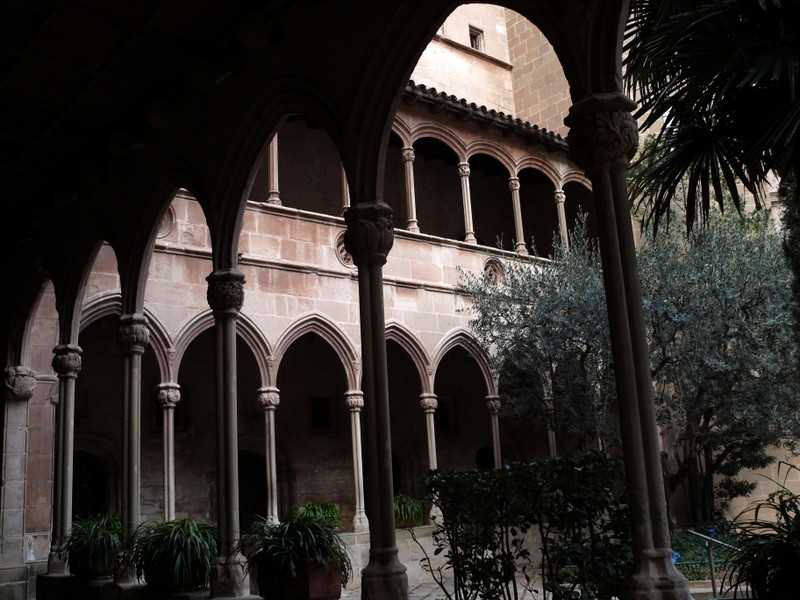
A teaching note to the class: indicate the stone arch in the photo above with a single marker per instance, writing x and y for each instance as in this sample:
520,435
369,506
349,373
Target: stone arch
328,331
419,356
541,164
493,150
443,135
462,337
402,130
539,210
492,203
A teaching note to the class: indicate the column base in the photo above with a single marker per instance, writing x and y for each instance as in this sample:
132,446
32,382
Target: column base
658,579
412,225
229,579
521,249
360,522
384,577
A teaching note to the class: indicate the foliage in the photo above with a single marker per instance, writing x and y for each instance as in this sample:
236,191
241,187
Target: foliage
768,560
407,511
550,342
724,360
302,536
324,511
173,555
702,70
578,506
93,546
691,552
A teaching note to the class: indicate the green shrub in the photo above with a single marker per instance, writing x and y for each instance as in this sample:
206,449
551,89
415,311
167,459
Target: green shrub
322,510
93,546
173,555
407,511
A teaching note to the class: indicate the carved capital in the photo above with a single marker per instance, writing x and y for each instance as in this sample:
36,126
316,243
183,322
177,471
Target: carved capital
493,404
428,402
225,292
20,383
169,394
354,399
463,169
513,184
269,397
602,132
408,154
67,360
560,196
133,334
370,232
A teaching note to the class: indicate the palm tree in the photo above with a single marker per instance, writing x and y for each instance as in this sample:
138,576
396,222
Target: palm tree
720,76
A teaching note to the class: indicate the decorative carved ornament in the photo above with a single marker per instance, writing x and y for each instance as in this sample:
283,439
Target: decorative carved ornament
493,403
428,402
169,394
67,360
20,382
513,184
269,398
493,271
133,334
370,232
408,154
226,291
601,139
560,196
355,400
341,252
463,169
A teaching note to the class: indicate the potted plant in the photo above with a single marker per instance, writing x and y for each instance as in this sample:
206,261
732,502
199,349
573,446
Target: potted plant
407,511
302,557
767,559
93,546
173,555
323,510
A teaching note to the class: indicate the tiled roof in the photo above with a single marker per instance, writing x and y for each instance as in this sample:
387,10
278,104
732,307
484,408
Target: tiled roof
469,110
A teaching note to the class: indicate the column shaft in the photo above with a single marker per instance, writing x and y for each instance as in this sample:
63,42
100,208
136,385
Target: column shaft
169,394
270,399
429,404
513,185
226,296
368,238
411,201
493,404
355,401
560,198
463,173
274,193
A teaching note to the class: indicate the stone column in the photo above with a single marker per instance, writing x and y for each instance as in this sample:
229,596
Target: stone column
560,197
603,138
469,231
411,201
20,384
345,191
368,239
169,394
67,365
133,337
274,193
429,404
493,405
270,399
355,402
225,297
513,185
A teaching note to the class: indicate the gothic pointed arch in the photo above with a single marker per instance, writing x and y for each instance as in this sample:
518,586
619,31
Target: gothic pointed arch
401,335
463,337
328,331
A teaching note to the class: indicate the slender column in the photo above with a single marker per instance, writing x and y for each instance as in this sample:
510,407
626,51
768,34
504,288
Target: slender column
270,399
411,201
345,191
493,405
225,297
429,404
368,239
355,402
469,231
560,198
169,394
67,365
603,138
133,337
274,193
513,185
